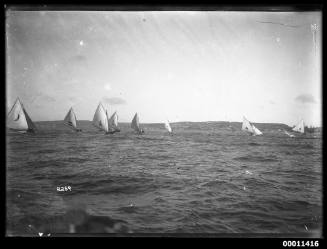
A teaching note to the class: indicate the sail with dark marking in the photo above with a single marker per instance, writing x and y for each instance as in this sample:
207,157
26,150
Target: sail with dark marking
246,126
18,119
250,128
299,127
70,119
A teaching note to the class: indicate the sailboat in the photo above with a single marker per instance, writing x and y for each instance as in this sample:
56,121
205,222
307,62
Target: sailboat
248,127
136,125
71,120
113,123
100,119
168,128
18,119
299,127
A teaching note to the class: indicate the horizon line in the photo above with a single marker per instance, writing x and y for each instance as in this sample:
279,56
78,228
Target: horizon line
213,121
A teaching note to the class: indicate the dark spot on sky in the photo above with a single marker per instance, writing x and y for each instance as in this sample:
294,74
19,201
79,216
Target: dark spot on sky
144,20
305,98
78,58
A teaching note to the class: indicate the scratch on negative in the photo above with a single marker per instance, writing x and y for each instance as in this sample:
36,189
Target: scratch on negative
287,25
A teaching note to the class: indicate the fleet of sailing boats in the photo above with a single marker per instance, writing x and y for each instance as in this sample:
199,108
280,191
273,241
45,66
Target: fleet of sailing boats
18,120
102,121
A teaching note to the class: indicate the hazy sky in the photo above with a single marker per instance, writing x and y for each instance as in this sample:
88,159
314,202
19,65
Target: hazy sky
184,66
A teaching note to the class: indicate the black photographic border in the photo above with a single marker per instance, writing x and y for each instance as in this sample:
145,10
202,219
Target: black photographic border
216,240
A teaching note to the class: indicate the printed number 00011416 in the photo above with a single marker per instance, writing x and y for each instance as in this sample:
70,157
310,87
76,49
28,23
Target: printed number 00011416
293,243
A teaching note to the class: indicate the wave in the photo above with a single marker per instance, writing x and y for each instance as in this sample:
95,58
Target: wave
292,145
251,158
254,144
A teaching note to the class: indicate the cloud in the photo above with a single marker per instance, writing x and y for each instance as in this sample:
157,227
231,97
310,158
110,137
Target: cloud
305,98
114,100
272,102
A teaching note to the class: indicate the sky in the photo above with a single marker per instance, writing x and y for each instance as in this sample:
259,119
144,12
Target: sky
175,65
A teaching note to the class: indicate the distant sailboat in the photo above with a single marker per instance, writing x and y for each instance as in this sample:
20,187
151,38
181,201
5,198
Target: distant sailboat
136,125
248,127
113,122
18,119
299,127
100,119
167,126
71,120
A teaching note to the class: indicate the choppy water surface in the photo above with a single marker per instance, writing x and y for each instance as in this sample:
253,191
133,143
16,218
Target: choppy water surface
206,178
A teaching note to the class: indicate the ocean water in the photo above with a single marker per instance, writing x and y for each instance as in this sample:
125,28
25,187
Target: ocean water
206,178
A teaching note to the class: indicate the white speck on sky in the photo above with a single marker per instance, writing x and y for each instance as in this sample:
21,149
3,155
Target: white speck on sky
107,87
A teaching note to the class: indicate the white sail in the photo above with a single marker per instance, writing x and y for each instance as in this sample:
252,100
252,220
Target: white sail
167,126
246,126
256,131
70,119
113,121
100,119
18,118
299,127
135,123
